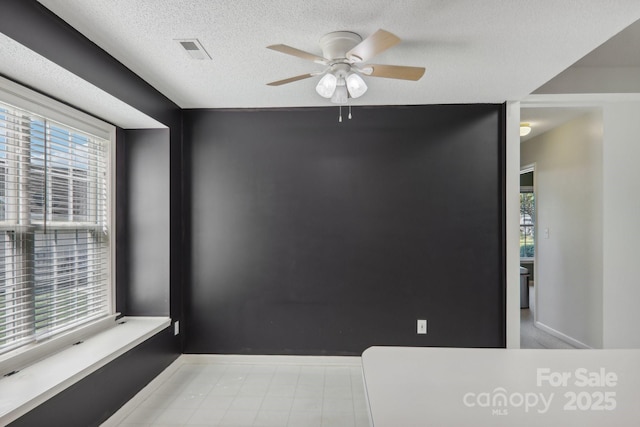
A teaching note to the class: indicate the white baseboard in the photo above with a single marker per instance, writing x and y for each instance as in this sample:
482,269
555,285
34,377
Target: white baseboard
269,359
566,338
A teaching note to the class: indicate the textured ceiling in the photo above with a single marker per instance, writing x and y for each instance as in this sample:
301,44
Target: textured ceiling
474,51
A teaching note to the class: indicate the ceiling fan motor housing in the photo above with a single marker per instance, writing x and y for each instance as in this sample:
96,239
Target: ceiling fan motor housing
340,70
336,45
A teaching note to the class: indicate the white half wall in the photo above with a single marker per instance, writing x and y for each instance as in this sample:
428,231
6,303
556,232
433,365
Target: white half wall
569,261
621,224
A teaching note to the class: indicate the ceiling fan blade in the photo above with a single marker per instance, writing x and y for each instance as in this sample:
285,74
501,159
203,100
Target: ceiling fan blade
394,71
283,48
292,79
376,43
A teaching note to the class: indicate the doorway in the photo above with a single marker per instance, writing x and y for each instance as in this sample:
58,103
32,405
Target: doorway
561,229
527,237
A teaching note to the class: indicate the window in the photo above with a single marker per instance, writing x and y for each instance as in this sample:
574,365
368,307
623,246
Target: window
54,224
527,221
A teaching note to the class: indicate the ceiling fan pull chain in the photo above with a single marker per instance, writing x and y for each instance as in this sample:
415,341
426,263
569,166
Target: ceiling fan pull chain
349,111
340,114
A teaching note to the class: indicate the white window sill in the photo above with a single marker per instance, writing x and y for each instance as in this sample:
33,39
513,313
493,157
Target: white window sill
39,382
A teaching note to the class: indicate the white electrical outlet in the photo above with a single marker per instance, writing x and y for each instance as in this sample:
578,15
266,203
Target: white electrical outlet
422,326
176,328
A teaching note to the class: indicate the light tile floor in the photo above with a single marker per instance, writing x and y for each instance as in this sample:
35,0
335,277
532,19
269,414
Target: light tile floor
224,393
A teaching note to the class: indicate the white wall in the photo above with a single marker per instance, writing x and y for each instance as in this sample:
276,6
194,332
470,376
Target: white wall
621,225
594,80
512,220
569,263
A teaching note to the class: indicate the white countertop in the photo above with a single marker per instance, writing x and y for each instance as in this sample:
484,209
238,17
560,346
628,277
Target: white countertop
457,387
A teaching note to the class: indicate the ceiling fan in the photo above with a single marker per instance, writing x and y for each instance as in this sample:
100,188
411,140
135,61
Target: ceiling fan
344,55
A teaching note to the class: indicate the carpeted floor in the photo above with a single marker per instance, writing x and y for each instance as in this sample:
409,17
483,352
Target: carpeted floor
532,337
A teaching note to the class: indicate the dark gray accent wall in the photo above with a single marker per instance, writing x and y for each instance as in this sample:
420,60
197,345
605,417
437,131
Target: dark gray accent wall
144,243
314,237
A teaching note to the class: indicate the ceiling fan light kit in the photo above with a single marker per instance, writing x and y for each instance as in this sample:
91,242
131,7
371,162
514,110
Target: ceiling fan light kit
357,87
340,95
326,85
343,53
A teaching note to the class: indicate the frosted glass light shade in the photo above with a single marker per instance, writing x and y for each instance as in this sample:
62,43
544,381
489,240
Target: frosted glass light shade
327,85
357,87
340,96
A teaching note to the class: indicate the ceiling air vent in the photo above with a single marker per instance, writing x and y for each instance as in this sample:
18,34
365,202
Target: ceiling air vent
194,48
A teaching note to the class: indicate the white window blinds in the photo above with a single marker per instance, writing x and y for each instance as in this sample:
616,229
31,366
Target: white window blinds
54,234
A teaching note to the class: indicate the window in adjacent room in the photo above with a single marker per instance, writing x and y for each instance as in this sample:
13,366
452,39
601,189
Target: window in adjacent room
527,218
54,222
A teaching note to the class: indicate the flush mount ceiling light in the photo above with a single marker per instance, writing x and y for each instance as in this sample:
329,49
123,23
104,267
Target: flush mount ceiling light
525,129
343,55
